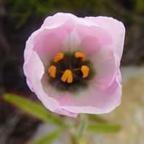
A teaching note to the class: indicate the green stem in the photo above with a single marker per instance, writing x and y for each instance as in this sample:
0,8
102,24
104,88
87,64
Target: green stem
77,131
82,126
78,137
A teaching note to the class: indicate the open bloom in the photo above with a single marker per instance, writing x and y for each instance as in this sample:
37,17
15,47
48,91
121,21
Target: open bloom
72,64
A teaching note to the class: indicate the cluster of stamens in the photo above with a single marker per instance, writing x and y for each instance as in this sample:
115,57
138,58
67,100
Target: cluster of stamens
69,69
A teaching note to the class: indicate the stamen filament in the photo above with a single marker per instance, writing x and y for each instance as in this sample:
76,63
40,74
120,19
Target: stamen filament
67,76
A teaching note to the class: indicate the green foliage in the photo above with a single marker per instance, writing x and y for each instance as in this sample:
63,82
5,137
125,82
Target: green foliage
104,128
33,108
97,119
48,139
139,6
98,124
21,10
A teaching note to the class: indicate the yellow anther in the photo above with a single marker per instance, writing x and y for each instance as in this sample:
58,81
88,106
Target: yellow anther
52,71
59,56
67,76
85,71
80,55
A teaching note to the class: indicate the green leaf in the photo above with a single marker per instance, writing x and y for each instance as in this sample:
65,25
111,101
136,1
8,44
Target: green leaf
48,139
104,128
33,108
97,119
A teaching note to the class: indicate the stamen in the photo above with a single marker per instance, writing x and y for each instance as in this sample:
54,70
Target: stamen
59,56
85,71
67,76
70,71
80,55
52,71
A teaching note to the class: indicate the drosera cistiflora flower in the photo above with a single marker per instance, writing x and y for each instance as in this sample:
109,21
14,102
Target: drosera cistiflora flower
73,64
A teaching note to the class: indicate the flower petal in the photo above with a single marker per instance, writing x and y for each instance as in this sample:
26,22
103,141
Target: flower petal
58,19
105,67
51,37
115,28
34,70
97,44
95,101
48,42
65,112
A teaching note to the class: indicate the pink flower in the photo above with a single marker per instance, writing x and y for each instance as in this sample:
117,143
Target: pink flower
72,64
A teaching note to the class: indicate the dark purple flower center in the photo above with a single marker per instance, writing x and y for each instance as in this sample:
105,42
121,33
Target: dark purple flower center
70,71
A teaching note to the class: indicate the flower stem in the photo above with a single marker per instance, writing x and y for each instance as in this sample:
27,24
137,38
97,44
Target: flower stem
82,126
78,131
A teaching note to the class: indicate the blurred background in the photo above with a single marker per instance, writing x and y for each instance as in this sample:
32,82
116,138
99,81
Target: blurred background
19,18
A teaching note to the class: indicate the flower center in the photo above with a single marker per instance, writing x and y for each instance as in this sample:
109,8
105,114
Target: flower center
70,71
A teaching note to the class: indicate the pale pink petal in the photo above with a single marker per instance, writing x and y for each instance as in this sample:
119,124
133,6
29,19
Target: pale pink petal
97,44
95,100
105,68
34,70
116,29
58,19
72,42
91,34
49,42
